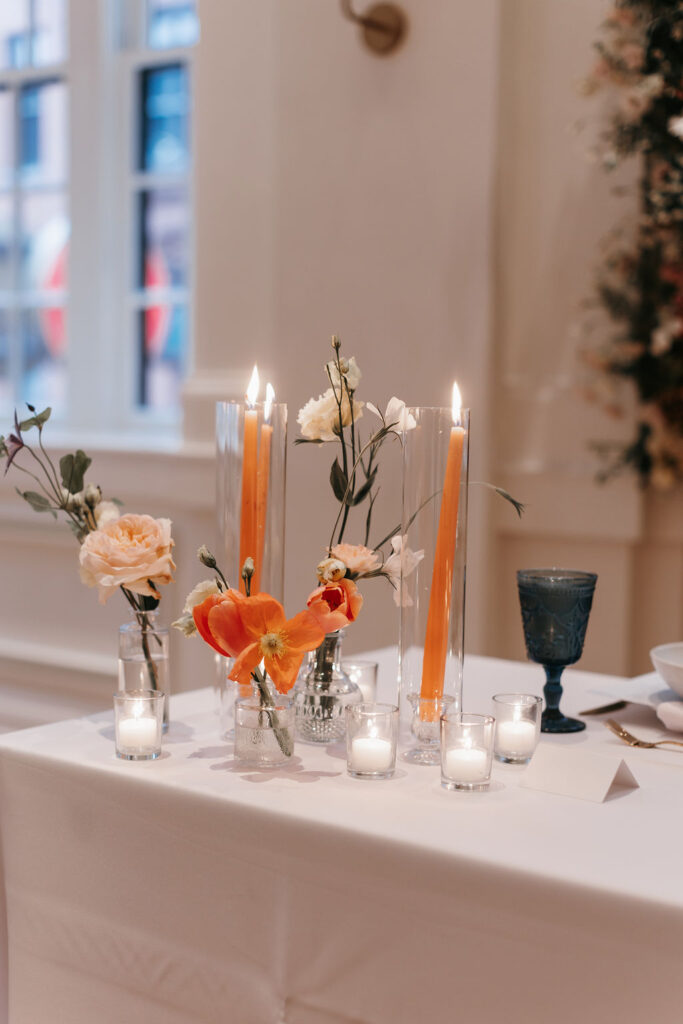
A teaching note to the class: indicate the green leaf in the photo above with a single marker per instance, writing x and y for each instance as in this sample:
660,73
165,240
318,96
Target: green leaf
339,481
39,420
117,501
308,440
517,505
363,491
72,469
38,502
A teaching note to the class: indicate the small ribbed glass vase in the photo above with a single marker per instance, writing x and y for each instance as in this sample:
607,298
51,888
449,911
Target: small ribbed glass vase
320,697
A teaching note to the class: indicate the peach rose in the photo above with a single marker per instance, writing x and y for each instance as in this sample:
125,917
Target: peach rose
358,559
336,604
133,552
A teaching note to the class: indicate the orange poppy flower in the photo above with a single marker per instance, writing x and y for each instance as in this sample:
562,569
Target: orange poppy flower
336,604
230,647
255,628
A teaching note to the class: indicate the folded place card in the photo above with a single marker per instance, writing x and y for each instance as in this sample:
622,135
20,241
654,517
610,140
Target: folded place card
575,772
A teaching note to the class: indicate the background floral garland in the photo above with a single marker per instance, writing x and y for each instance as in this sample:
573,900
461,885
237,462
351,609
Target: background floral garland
640,284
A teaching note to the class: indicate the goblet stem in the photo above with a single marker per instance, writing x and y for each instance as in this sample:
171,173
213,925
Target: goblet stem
552,719
552,691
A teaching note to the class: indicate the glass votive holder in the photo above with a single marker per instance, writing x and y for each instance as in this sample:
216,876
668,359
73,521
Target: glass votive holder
466,750
138,722
264,736
371,738
518,726
364,675
424,725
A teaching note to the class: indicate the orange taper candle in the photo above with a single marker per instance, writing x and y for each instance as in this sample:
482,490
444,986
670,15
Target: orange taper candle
262,487
438,617
249,471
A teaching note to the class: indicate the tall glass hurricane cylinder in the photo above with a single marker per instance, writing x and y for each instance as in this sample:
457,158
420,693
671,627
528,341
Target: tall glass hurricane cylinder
251,466
434,526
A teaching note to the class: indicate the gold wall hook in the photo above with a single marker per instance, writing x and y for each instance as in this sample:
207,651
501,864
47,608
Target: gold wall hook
383,26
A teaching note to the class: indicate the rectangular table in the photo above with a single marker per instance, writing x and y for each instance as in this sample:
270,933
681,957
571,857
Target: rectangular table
194,890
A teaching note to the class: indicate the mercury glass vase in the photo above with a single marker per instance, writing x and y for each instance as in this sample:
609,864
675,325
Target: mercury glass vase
143,657
321,696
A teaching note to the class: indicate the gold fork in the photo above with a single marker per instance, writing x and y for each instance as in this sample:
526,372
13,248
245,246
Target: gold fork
632,740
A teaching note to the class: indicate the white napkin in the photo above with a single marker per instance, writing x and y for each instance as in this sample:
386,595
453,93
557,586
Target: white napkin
670,712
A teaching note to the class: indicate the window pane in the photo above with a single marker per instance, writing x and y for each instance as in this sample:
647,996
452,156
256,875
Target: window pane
45,234
165,102
14,33
163,334
5,383
171,23
43,365
6,236
164,220
6,139
49,31
42,133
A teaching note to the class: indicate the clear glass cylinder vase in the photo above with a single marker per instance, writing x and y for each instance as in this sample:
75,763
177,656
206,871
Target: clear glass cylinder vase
321,696
144,658
251,469
433,561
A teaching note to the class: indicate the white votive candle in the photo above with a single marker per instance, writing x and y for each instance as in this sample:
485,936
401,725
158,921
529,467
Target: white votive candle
137,734
370,754
515,738
467,764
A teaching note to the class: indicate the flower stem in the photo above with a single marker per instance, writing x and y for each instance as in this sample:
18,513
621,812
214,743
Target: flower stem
282,734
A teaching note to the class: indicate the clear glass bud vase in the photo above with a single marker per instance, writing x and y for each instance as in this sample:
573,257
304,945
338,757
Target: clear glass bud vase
321,696
143,656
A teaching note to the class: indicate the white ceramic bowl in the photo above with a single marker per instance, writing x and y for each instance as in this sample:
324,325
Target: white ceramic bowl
668,662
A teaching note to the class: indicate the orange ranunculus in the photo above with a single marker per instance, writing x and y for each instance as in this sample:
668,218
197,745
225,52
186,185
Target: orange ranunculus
200,613
252,628
336,604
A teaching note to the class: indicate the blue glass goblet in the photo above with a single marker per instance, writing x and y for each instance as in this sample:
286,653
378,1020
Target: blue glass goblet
555,605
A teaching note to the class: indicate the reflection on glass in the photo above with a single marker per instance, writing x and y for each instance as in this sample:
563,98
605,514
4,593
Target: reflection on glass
44,237
43,365
171,23
6,139
6,234
5,383
164,220
165,101
42,133
14,33
163,341
49,31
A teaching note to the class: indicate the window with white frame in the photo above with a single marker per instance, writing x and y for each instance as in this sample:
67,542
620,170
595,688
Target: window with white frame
136,237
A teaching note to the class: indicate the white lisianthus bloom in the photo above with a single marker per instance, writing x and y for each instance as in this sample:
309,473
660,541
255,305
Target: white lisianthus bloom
350,370
319,418
675,126
106,512
402,561
396,415
198,594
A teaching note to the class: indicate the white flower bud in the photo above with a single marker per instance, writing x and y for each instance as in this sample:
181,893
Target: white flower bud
331,570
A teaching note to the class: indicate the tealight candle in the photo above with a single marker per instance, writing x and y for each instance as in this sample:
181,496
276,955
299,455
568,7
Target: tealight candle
371,736
371,754
138,733
466,750
137,724
467,764
518,723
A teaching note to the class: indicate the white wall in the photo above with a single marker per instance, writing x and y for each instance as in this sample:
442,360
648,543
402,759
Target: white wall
345,193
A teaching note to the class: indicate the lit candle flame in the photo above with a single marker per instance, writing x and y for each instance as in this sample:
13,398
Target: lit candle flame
457,404
268,404
253,389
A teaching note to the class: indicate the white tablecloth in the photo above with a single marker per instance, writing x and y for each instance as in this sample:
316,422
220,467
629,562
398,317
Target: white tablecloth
192,890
